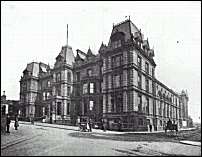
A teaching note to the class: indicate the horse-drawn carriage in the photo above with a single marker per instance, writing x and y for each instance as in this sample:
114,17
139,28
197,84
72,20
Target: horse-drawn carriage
171,126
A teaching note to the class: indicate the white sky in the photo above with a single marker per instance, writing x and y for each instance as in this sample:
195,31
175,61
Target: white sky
36,31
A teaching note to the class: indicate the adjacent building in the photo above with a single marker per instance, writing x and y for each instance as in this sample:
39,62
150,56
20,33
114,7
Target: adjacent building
8,107
117,84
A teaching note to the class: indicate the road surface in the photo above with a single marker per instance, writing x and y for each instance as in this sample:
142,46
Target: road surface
32,140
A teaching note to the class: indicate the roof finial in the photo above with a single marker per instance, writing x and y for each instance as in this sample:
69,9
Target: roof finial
129,17
4,92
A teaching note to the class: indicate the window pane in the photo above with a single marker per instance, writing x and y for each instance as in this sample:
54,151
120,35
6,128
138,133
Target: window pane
85,88
59,108
68,91
68,110
48,83
69,77
91,87
44,95
91,105
78,76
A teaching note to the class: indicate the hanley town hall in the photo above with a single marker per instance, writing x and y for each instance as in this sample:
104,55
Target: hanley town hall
116,84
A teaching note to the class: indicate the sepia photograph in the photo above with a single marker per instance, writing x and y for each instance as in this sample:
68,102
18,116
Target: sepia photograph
100,78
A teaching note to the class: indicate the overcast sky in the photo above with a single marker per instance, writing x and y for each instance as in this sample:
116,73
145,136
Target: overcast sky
36,31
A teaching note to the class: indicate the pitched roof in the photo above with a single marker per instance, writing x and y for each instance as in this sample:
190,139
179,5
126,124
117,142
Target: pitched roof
33,68
127,27
66,53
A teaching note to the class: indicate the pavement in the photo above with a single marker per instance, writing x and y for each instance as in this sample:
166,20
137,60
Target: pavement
75,128
194,143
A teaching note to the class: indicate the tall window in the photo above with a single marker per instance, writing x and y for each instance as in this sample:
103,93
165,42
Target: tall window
58,77
69,77
77,90
48,95
85,88
164,110
68,108
58,91
91,87
68,91
171,111
91,105
147,84
112,103
48,83
117,80
78,76
89,72
152,72
44,95
168,111
147,107
139,80
59,110
139,100
147,67
139,61
117,60
153,87
160,107
154,107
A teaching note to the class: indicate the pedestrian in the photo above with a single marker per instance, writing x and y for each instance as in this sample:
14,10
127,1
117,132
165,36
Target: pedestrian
119,125
87,126
8,121
79,124
104,125
150,127
16,124
90,125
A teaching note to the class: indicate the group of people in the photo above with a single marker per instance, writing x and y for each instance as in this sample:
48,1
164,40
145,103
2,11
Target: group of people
88,125
8,121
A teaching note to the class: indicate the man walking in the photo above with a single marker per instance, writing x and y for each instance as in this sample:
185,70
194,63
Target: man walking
8,121
16,124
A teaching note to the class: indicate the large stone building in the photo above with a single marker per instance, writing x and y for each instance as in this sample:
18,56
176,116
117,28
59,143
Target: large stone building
117,84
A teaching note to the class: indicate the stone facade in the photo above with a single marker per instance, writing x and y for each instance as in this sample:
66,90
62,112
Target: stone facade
118,84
